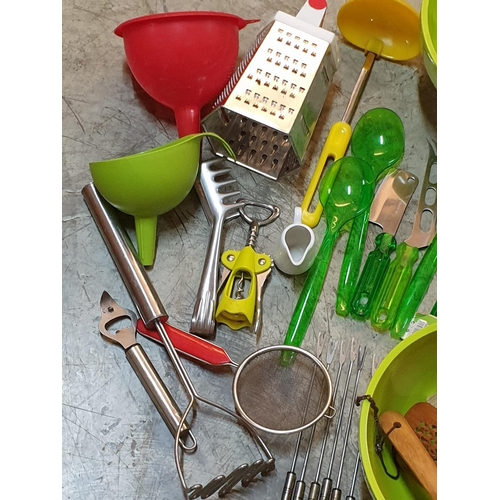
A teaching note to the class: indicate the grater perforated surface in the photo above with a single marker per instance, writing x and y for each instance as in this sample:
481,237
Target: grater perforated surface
274,86
271,110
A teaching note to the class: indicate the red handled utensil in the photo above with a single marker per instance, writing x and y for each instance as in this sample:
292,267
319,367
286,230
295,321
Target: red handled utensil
190,345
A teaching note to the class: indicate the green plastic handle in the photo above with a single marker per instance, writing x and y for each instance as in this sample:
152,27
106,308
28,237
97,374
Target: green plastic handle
376,265
416,291
309,294
351,263
385,306
434,310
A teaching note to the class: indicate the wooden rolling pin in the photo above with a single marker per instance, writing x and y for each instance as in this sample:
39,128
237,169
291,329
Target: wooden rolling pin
411,450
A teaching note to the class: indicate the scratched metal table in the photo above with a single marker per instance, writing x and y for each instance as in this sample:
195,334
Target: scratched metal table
115,445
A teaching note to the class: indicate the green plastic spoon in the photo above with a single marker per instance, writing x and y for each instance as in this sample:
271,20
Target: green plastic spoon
379,139
343,199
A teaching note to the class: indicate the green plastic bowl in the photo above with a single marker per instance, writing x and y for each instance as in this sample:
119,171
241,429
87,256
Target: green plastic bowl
151,183
407,375
428,25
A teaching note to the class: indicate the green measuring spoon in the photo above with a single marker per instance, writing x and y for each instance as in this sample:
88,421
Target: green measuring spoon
379,139
346,197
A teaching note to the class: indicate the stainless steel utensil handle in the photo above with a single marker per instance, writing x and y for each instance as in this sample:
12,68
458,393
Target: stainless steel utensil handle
158,392
203,319
314,491
125,257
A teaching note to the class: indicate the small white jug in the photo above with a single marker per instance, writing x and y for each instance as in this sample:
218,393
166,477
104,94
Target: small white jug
296,250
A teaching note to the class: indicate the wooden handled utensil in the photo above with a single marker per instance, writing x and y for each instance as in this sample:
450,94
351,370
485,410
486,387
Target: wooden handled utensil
422,418
410,448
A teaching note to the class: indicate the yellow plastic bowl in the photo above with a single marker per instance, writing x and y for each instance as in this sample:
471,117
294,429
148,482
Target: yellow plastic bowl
428,25
407,375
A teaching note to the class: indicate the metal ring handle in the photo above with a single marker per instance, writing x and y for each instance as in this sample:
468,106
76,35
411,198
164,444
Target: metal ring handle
273,209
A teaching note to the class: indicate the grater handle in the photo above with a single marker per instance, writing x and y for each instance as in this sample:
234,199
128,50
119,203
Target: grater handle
313,12
335,147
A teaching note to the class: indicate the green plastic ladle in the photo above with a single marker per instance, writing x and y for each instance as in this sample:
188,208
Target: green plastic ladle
348,195
379,139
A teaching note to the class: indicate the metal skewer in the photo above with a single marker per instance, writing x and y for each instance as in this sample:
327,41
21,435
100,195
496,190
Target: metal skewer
314,489
300,485
289,484
354,476
326,487
337,493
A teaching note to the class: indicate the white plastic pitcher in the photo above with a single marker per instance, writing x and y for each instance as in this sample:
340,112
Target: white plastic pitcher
296,249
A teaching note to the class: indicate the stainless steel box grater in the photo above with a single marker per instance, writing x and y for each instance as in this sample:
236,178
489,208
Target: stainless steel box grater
269,109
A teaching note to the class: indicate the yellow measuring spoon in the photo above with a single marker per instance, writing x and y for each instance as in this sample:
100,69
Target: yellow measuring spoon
382,28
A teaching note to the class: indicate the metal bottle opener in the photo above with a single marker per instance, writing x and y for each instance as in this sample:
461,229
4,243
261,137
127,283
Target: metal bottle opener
111,313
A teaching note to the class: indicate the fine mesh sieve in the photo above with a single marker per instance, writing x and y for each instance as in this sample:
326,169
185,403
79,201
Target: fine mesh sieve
282,397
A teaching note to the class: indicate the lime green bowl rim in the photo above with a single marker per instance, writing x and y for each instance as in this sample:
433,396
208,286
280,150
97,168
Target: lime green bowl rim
370,478
426,31
149,152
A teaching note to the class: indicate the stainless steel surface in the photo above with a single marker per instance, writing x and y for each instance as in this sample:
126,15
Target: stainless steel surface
270,114
115,445
391,200
220,205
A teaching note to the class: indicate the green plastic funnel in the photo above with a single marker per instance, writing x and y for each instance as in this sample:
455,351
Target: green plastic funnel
151,183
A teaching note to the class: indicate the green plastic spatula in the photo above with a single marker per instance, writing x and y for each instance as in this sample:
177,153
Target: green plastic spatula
348,196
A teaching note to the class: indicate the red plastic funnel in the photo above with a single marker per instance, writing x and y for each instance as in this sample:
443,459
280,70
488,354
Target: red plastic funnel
183,60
